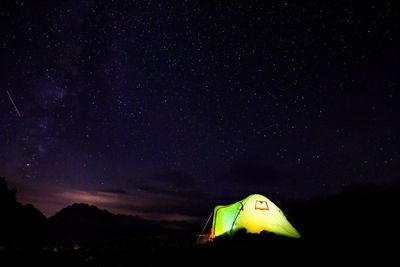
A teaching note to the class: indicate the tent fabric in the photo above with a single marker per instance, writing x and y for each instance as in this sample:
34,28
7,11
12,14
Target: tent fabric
256,213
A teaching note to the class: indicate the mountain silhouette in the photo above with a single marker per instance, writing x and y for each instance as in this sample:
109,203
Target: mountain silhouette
81,223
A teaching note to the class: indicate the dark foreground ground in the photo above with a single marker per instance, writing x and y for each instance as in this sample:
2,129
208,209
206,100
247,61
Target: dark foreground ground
242,250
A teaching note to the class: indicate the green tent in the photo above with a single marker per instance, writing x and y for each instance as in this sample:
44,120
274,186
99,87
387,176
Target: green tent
255,213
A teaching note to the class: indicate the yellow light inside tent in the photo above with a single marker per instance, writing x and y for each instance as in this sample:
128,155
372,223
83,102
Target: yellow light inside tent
256,213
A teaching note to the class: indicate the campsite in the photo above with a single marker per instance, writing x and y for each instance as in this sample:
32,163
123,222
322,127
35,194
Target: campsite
354,227
244,133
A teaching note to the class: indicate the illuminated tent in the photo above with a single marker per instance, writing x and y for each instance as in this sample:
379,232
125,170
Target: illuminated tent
256,213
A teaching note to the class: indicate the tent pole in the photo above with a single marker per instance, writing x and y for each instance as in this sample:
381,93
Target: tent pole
209,217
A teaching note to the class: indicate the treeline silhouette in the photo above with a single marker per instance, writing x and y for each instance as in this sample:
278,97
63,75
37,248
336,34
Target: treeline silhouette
19,224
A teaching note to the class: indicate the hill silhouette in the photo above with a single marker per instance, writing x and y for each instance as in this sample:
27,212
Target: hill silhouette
357,214
87,223
24,225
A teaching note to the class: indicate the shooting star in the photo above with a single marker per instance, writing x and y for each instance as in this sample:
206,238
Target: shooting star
12,101
273,96
266,128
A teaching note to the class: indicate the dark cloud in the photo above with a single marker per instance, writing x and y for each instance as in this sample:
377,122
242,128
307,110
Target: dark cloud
176,179
175,193
172,205
172,183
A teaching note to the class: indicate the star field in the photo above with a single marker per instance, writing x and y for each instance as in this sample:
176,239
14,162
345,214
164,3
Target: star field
132,103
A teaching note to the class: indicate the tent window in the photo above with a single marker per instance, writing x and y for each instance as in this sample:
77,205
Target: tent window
261,205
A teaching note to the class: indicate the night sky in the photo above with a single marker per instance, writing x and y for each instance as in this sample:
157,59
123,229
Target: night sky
166,109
